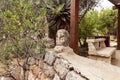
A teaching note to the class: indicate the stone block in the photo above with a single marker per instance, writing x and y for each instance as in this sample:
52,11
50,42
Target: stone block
15,70
56,77
36,70
44,77
49,57
40,63
6,78
26,76
61,67
40,74
31,76
31,61
49,71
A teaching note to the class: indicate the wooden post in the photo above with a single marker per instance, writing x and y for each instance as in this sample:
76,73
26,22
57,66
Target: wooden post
118,29
74,25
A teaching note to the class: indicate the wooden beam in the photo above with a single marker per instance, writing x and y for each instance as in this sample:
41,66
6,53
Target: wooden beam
74,25
115,2
118,30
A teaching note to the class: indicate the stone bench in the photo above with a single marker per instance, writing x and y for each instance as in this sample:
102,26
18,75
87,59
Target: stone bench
97,50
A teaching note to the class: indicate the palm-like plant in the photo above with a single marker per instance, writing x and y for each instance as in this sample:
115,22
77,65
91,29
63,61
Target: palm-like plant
58,14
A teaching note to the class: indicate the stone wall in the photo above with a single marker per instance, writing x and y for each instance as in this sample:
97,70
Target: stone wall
58,68
63,66
30,69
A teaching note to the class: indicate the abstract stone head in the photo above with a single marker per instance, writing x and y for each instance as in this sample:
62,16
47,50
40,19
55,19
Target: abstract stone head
62,38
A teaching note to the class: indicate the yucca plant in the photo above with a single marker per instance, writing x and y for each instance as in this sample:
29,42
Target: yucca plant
58,13
58,16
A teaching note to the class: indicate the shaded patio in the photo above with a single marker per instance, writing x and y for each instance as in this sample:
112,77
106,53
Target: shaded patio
74,28
74,24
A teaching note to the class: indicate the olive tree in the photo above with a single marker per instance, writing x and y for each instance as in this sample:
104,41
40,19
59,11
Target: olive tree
22,26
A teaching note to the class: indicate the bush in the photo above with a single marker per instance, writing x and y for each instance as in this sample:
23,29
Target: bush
22,25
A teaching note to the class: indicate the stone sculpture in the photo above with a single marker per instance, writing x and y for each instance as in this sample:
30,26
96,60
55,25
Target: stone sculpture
62,41
62,38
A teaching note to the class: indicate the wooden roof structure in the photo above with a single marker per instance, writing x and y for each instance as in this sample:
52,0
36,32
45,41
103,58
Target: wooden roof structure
115,2
74,24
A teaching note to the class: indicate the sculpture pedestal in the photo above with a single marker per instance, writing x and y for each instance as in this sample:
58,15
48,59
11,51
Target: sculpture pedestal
116,60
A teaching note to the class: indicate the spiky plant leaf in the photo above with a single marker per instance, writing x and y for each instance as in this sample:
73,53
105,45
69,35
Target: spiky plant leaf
58,13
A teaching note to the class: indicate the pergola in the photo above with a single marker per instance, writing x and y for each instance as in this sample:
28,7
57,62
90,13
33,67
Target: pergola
74,24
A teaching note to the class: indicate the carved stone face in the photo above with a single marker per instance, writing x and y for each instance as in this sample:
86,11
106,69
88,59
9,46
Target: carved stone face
62,38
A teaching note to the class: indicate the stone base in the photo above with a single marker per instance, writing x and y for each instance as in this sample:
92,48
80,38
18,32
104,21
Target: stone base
99,58
116,60
117,54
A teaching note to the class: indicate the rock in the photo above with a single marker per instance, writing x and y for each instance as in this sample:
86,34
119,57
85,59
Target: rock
15,70
49,57
40,63
40,74
21,74
22,61
49,71
6,78
26,66
31,61
61,67
44,77
38,56
56,77
37,79
26,75
35,70
37,62
73,76
31,76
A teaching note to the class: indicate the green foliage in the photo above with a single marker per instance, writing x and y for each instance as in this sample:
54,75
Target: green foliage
107,21
22,25
97,23
58,14
88,25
